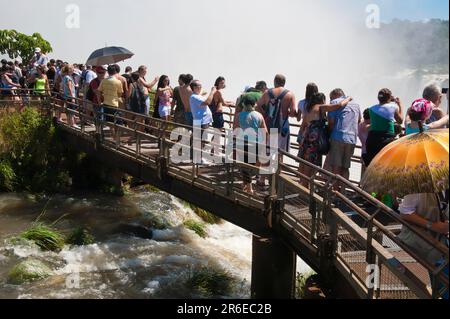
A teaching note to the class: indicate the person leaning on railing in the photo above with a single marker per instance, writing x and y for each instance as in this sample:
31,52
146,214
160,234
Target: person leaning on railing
8,83
424,211
252,129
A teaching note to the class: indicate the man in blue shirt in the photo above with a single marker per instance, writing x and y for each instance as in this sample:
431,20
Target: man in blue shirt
343,124
200,106
202,117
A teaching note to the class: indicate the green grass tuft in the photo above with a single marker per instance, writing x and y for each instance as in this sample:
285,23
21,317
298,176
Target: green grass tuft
197,227
206,216
80,236
211,282
45,237
152,189
159,223
28,270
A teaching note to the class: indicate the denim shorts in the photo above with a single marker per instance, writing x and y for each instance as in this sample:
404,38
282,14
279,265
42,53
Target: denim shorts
164,110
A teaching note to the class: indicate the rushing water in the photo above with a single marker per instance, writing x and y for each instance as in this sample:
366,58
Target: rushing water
118,265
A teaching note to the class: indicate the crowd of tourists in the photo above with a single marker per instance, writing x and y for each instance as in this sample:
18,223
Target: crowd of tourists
329,130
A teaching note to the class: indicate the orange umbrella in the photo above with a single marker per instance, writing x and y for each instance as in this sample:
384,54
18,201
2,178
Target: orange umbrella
416,163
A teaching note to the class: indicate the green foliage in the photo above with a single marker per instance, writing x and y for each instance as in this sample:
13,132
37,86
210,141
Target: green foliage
300,284
45,237
80,236
7,176
28,270
197,227
34,158
206,216
31,153
16,44
211,282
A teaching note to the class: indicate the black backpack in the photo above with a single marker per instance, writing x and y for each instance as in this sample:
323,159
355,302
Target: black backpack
323,140
137,99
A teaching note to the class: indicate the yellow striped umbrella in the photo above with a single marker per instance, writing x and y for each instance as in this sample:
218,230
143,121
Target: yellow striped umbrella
416,163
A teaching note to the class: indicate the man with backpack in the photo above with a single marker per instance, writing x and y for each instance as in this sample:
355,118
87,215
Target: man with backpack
277,105
86,77
137,97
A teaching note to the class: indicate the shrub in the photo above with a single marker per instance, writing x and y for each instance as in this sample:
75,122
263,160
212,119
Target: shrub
7,176
29,143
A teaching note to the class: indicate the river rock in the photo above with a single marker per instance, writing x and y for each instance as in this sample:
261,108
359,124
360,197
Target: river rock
135,230
28,270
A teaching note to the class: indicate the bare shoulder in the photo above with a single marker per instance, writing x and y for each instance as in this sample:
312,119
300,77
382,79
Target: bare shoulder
291,95
265,96
438,113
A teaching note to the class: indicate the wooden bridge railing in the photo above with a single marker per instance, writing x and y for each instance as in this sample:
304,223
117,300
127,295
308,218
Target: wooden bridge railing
358,247
333,231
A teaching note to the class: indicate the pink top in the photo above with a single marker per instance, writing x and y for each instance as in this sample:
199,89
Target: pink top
164,98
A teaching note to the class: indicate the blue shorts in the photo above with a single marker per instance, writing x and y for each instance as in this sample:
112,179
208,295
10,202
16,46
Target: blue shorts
218,121
189,118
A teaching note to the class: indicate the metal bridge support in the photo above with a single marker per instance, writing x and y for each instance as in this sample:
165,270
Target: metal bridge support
273,269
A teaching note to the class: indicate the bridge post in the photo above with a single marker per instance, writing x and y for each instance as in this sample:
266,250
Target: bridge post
328,244
273,269
163,159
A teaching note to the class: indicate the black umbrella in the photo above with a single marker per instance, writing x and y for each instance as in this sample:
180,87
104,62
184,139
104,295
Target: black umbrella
109,55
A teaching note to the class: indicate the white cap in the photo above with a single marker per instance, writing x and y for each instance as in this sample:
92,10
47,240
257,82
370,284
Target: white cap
37,50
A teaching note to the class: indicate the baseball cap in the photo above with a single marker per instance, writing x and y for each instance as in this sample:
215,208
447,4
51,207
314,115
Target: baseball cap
101,68
246,88
37,50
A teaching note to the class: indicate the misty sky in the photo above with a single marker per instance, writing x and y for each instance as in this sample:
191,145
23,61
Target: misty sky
243,40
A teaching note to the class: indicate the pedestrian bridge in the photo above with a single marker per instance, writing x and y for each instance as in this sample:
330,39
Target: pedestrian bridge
348,237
